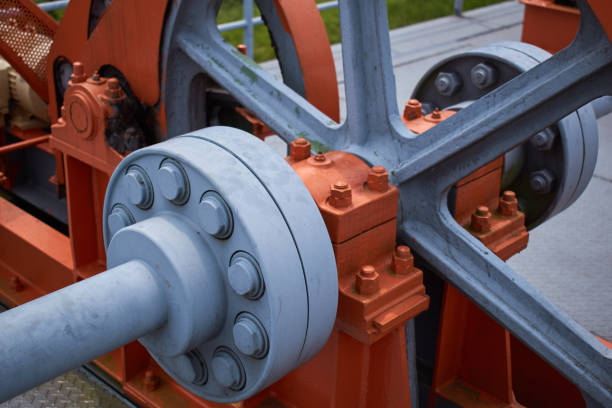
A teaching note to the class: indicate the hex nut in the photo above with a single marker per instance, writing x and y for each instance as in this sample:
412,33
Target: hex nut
542,181
481,219
378,179
402,261
447,83
543,140
139,187
215,216
250,336
483,75
173,182
120,217
366,281
227,369
341,195
244,276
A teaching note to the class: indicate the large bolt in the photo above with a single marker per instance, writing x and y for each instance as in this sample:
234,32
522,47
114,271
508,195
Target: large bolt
173,182
340,195
366,281
481,219
250,336
244,277
139,188
189,367
119,218
541,181
227,370
378,179
543,140
447,83
403,261
215,215
113,90
78,73
483,75
299,149
413,109
508,204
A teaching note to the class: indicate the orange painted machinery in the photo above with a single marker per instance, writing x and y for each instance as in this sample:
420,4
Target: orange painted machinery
107,75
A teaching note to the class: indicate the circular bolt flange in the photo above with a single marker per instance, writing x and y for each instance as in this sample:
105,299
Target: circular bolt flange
120,217
543,140
483,75
215,215
541,181
227,369
250,336
140,189
447,83
173,182
244,276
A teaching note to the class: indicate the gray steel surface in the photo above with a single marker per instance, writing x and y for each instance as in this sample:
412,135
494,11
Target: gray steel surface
425,167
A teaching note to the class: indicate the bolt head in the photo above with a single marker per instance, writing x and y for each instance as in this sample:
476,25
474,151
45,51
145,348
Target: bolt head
173,182
244,277
447,83
541,181
481,219
378,179
139,189
403,261
366,281
118,218
299,149
215,216
226,370
250,337
543,140
483,75
340,195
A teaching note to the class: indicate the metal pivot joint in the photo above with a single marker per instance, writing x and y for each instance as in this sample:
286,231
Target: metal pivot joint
190,276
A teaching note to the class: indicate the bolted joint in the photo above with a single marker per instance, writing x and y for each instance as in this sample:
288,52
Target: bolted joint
542,181
366,281
378,179
543,140
151,381
413,109
299,149
403,261
78,73
340,195
113,91
481,219
508,204
447,83
483,75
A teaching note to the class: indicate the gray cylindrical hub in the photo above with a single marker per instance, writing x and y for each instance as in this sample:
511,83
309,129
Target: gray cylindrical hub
55,333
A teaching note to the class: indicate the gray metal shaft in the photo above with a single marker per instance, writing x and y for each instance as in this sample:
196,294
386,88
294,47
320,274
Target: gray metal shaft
57,332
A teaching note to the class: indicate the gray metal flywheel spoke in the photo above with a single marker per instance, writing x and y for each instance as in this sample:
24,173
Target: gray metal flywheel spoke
368,72
277,105
485,130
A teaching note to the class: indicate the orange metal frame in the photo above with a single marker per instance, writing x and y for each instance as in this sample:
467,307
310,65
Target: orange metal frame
364,361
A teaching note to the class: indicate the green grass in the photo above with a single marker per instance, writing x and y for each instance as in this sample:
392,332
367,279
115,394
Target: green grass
401,13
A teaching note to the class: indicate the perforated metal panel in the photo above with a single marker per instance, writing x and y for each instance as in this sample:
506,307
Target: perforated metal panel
26,36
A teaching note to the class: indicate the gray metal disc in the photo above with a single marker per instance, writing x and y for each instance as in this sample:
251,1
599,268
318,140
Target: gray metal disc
275,222
573,155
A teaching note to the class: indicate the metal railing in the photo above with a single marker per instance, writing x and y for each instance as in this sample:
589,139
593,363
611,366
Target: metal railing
246,24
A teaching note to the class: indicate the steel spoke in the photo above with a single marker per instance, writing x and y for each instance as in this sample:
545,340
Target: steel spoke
368,71
513,112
